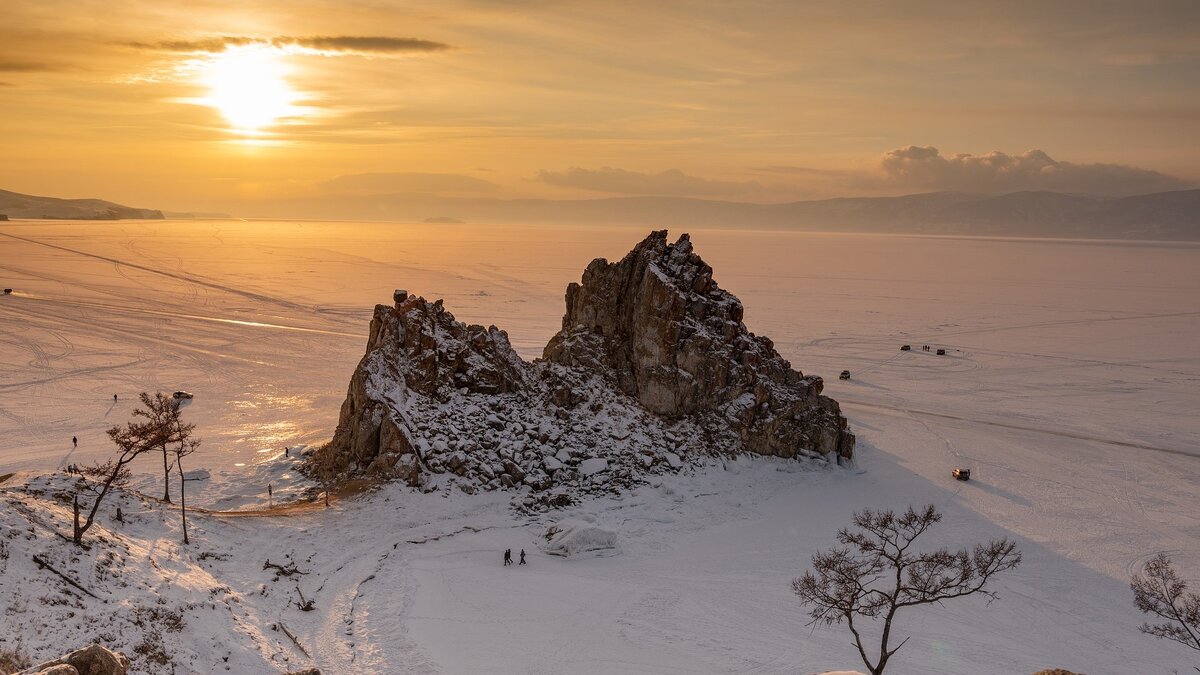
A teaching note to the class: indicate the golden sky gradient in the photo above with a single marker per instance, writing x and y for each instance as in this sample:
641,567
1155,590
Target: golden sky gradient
214,105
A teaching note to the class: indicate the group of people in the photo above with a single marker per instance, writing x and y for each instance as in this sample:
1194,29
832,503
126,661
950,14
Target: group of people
508,557
73,468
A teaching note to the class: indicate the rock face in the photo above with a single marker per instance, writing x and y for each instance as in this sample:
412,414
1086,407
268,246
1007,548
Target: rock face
675,341
653,367
91,660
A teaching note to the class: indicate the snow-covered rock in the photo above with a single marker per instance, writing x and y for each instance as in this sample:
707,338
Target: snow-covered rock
648,343
572,537
93,659
592,466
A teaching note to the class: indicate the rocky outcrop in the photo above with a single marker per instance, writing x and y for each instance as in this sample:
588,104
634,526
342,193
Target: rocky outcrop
652,369
91,660
675,341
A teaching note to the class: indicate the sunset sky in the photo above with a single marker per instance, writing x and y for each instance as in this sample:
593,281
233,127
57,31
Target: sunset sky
215,105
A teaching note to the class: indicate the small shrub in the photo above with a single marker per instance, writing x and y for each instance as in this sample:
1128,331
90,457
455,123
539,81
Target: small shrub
14,659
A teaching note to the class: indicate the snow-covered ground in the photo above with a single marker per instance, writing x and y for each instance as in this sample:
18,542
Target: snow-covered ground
1070,388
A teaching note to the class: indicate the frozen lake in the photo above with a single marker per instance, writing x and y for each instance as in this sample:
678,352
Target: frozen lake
1070,385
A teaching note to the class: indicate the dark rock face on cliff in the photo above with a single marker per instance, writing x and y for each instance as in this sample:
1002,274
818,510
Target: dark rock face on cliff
675,341
652,369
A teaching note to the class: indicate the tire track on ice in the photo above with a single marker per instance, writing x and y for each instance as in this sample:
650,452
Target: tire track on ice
179,276
1021,427
182,315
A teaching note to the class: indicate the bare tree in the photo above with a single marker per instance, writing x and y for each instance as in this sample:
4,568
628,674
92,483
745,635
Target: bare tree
874,574
131,440
162,413
186,447
1162,593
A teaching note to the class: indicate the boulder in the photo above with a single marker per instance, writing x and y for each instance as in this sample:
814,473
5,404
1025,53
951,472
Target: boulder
593,466
571,538
91,660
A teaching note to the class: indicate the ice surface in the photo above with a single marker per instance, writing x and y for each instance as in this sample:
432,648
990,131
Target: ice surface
1069,389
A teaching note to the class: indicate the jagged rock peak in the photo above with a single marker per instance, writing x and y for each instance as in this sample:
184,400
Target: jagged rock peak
675,340
652,369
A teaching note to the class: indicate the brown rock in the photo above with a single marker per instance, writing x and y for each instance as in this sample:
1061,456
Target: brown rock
673,339
91,660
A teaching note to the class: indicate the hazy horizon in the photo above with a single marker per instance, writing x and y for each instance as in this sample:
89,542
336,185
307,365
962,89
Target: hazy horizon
227,108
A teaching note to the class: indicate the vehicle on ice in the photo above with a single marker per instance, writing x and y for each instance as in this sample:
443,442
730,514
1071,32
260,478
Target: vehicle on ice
962,474
8,291
906,348
181,394
845,375
941,352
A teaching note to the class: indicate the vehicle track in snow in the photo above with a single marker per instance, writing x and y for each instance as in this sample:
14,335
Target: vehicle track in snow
1019,427
188,278
181,315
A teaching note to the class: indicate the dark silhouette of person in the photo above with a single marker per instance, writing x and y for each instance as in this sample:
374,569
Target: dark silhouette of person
114,398
507,556
74,442
522,557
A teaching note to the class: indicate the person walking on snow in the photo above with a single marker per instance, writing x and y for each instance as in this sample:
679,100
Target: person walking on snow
74,442
507,557
522,557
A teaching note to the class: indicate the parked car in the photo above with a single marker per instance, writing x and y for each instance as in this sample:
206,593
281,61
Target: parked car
941,352
845,375
962,474
181,394
906,348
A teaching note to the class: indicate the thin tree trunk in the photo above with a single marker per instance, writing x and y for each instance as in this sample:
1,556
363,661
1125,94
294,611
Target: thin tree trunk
76,534
87,524
166,477
182,498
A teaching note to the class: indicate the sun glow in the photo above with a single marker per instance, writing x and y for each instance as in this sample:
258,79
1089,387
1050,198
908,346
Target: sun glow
249,87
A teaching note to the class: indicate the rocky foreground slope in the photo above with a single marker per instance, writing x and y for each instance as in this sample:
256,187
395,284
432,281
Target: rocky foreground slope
653,369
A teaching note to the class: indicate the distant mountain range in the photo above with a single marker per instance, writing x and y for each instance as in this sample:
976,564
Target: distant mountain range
1161,216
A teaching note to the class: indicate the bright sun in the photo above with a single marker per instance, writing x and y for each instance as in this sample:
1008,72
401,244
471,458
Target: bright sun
248,86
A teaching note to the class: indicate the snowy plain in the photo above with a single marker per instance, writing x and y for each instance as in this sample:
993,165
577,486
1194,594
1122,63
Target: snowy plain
1070,387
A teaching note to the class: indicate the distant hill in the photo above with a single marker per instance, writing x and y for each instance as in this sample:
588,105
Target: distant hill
1161,216
1164,215
16,205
